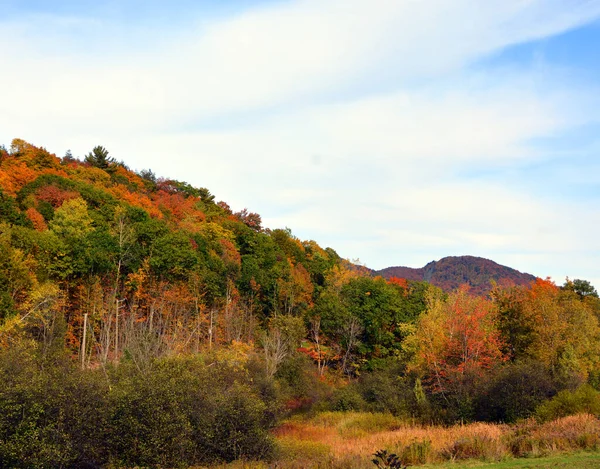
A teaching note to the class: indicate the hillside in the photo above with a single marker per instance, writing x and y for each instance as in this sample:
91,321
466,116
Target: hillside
189,331
451,272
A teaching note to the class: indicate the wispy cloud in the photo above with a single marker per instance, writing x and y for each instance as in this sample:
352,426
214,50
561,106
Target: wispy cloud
351,122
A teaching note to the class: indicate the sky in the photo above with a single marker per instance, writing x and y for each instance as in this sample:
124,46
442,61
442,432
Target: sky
394,131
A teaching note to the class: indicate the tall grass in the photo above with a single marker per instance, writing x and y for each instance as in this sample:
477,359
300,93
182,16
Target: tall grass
340,440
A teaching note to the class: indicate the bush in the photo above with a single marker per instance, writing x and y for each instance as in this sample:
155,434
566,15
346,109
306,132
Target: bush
388,391
347,398
178,412
231,425
515,392
583,400
299,386
51,414
417,452
184,411
149,419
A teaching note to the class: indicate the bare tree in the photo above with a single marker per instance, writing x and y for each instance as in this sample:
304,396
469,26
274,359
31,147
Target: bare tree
280,340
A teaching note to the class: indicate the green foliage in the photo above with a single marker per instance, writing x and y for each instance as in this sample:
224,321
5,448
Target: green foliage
181,411
72,220
347,398
582,287
173,255
388,389
9,211
584,399
298,385
99,158
51,416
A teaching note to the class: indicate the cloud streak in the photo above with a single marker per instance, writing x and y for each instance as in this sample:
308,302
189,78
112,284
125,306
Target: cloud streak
351,122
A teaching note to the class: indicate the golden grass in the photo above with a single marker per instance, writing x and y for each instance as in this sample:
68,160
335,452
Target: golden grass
347,440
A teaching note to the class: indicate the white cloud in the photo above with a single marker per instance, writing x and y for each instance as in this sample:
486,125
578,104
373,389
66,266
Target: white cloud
263,57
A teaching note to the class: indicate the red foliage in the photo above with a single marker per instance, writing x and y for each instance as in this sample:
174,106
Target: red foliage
55,196
250,219
401,282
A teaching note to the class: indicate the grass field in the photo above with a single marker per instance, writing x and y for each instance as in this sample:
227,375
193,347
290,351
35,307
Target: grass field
562,461
347,440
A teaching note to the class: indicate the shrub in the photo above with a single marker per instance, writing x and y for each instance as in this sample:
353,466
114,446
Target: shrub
183,411
51,414
178,412
347,398
515,392
417,452
300,387
583,400
388,391
149,420
232,426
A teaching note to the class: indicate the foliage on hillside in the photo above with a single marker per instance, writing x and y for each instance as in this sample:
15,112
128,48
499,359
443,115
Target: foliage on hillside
124,285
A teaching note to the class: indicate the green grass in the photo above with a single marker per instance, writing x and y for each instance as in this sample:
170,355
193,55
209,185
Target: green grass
567,461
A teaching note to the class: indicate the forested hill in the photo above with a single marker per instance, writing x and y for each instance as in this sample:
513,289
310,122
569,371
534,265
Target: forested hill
451,272
188,330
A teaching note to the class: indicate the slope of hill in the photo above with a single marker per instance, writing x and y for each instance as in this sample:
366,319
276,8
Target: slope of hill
451,272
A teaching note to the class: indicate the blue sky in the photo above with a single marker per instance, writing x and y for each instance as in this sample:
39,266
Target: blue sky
395,131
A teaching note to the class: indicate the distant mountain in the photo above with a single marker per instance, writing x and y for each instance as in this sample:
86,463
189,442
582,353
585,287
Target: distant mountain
451,272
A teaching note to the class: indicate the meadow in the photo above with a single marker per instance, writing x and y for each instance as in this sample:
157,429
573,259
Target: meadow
348,440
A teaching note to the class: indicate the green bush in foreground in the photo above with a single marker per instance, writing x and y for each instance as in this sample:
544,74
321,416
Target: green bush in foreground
584,399
182,411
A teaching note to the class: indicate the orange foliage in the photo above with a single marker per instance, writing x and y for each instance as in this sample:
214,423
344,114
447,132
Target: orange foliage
129,175
401,282
6,183
137,200
542,287
230,253
176,207
55,171
457,340
37,219
16,175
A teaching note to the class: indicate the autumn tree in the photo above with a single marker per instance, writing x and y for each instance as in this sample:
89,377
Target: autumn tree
551,325
455,344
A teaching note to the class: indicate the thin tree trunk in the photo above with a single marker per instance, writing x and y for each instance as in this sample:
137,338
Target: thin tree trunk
83,341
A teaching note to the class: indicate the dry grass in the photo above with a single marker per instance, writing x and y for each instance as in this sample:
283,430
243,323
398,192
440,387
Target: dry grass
338,440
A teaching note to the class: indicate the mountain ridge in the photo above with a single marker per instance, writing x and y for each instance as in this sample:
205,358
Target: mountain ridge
451,272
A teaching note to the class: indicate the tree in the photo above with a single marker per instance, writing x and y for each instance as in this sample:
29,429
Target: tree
582,287
455,344
99,158
551,325
280,340
72,220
